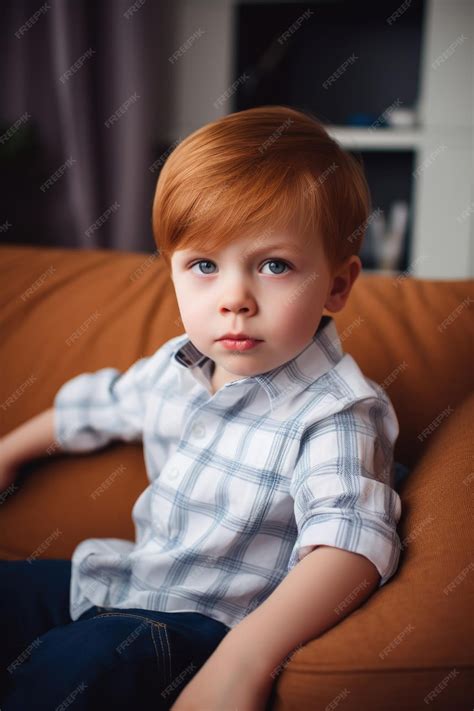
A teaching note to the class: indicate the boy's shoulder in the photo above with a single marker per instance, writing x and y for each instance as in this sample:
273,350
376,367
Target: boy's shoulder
341,386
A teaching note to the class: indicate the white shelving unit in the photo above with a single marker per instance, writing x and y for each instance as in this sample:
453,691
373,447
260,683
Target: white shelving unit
443,144
379,139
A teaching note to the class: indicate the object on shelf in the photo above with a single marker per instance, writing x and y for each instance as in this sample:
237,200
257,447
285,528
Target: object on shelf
361,119
386,240
401,118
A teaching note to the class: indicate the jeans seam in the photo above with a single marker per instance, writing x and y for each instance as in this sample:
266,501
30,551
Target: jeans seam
155,623
157,654
168,651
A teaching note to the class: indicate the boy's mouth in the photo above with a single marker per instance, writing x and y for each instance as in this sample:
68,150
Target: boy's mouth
238,342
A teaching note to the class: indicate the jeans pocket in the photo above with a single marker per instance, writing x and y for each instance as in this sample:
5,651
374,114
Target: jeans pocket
158,636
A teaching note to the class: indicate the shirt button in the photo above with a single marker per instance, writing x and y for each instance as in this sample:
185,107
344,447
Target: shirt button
198,430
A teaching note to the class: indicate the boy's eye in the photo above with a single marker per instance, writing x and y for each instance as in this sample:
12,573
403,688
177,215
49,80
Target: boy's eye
205,262
279,263
208,265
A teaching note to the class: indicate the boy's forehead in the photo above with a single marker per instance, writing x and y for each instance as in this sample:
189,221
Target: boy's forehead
256,244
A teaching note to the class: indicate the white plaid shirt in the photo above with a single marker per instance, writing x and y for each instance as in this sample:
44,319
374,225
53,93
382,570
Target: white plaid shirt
243,483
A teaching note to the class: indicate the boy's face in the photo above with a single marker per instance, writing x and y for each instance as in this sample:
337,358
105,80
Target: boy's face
272,288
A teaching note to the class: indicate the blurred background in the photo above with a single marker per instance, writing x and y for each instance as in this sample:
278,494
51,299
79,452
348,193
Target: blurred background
96,94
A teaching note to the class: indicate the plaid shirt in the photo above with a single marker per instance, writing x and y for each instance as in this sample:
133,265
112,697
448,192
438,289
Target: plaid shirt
243,483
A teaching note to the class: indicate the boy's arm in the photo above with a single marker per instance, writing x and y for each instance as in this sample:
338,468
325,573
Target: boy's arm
323,588
29,440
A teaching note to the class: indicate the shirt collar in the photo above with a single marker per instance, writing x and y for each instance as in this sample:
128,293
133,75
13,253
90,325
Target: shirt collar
288,379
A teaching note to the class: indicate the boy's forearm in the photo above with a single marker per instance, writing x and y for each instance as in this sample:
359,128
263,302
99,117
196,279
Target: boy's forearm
322,589
34,438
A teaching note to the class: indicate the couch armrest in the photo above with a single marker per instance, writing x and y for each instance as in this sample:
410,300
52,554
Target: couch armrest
412,633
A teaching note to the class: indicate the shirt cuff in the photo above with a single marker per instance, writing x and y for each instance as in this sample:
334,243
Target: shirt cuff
383,550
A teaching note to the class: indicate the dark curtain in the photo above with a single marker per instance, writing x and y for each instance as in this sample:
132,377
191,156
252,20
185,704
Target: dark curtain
86,98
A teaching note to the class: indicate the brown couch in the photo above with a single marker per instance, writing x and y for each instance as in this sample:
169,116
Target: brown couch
410,646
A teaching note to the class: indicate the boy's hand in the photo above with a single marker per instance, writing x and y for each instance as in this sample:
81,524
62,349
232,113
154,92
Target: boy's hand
8,469
224,684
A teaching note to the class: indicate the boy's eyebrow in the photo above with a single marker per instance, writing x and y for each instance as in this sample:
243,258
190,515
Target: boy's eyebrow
288,246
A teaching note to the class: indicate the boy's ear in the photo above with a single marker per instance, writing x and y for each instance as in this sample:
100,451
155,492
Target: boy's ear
341,283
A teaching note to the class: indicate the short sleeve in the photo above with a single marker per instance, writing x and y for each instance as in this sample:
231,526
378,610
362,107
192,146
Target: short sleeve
342,485
92,409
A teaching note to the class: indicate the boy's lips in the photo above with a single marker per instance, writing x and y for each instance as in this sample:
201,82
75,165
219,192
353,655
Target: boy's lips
238,337
238,342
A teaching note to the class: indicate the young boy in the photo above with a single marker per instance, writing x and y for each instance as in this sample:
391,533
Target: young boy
270,513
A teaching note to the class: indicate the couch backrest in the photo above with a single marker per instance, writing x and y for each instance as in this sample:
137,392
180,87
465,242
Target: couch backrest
67,311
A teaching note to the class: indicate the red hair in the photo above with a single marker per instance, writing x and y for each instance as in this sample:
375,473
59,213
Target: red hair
269,167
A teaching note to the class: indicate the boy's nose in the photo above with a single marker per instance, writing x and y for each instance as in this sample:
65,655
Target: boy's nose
236,304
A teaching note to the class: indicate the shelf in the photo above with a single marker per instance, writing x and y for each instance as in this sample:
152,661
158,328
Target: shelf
369,139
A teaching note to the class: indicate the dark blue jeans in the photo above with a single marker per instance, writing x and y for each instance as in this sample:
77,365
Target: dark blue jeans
107,658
